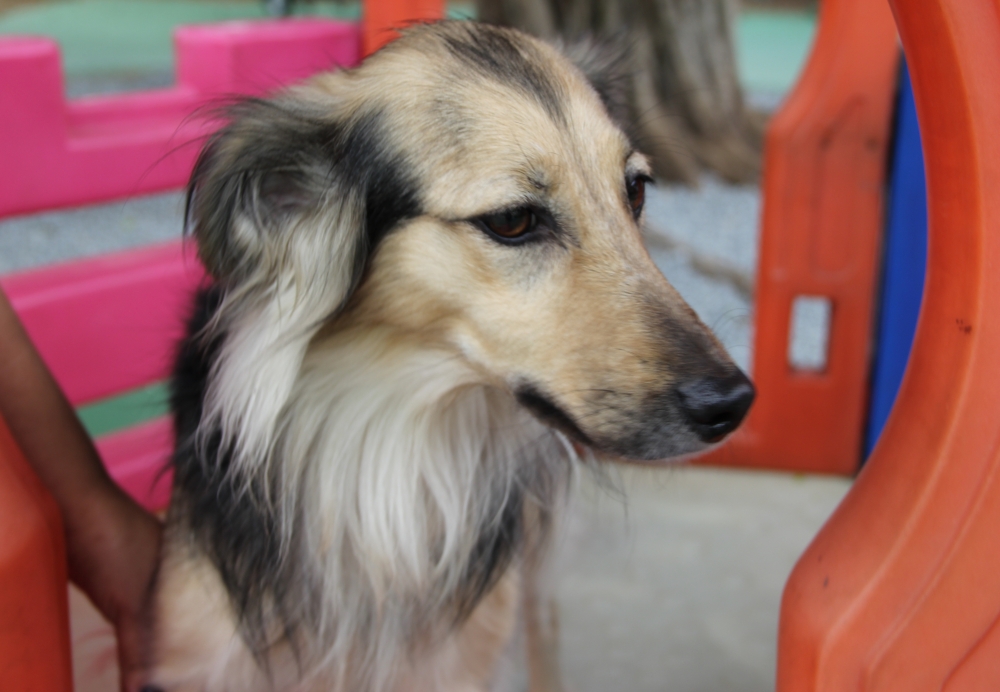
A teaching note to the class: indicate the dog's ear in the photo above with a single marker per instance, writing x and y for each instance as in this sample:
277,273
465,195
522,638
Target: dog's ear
287,202
608,66
280,166
253,177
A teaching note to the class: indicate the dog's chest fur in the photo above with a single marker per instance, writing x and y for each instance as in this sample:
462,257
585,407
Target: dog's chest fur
393,509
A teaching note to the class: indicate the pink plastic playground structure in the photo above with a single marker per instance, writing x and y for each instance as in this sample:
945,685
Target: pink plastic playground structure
59,153
106,325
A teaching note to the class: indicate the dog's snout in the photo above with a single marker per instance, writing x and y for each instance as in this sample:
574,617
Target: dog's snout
715,406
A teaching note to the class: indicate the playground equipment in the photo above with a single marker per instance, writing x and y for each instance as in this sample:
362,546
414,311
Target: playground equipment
905,263
105,326
824,166
34,617
901,589
58,153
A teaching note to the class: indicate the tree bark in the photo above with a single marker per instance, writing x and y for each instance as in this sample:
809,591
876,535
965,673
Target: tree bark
685,105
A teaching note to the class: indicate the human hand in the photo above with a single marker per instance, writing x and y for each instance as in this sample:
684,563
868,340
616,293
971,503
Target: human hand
113,551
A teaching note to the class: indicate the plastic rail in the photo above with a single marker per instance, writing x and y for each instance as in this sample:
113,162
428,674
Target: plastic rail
59,153
108,325
901,588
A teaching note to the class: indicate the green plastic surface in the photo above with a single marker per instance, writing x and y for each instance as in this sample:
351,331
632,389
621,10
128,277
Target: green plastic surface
124,411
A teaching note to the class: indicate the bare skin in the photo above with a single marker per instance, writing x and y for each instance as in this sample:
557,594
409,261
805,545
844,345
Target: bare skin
112,542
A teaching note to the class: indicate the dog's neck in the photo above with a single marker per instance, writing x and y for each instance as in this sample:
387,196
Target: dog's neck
401,491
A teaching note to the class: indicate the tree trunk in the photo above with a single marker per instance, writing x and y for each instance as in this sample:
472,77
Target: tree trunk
685,103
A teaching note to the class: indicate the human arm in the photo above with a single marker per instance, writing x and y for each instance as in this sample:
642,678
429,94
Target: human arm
112,542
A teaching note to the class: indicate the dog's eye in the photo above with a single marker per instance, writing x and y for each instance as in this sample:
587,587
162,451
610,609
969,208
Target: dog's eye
511,224
636,188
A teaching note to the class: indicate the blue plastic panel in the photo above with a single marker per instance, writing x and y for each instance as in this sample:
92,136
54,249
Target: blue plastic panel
905,263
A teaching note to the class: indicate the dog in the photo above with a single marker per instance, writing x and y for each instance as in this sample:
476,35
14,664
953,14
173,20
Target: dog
430,303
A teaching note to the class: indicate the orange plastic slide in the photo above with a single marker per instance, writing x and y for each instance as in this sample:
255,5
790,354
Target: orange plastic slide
824,173
901,589
383,17
34,615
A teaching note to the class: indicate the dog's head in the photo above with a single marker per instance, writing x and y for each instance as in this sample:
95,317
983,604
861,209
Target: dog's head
467,188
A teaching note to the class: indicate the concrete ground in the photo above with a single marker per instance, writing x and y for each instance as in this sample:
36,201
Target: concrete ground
675,585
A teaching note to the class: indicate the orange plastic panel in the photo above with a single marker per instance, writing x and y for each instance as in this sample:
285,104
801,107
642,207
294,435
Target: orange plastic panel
383,17
824,168
901,588
34,617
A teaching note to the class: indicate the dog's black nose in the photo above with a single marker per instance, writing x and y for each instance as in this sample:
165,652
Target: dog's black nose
714,406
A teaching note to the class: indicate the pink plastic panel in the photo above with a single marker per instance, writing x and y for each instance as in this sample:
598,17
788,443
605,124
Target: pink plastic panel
136,458
108,324
58,153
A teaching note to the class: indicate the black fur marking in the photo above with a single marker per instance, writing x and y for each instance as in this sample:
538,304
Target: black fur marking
607,64
501,54
492,554
543,408
499,541
279,159
390,190
234,527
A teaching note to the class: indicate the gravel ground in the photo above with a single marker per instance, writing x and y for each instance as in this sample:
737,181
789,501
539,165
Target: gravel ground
704,241
714,219
118,82
58,236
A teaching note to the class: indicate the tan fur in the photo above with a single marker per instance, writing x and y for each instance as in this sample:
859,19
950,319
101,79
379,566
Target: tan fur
585,317
566,317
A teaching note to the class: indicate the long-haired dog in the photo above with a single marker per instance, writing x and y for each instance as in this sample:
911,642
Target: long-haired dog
430,291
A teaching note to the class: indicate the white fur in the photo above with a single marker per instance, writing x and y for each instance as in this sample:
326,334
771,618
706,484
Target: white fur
393,459
296,283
